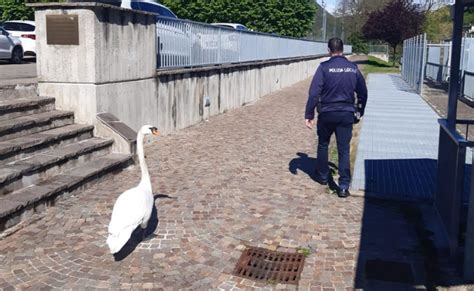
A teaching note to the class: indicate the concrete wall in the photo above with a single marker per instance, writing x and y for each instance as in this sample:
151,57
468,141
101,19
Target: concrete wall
116,56
113,69
177,100
381,56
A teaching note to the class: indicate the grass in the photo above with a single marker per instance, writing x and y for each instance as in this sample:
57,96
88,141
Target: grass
376,65
304,251
372,65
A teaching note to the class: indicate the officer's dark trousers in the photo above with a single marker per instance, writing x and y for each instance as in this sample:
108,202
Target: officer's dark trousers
341,123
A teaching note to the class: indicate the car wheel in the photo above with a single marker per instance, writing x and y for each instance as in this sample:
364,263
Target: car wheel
17,56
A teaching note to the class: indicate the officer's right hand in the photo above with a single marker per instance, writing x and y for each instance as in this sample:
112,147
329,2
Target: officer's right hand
309,123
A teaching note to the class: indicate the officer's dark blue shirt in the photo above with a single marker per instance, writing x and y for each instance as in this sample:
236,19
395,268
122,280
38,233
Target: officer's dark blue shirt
333,87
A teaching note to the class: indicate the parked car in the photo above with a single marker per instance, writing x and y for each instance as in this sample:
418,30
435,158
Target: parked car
149,6
26,31
236,26
177,42
10,47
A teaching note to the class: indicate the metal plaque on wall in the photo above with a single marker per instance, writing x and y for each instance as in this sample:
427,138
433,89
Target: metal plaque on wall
62,29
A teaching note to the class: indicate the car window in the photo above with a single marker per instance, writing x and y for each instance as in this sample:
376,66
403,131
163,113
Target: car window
26,27
241,27
150,7
11,26
226,26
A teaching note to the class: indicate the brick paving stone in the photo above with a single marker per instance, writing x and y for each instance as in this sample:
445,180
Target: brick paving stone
243,178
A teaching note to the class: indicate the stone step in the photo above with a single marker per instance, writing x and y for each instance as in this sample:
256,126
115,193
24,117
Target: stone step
22,203
34,123
33,169
13,108
19,148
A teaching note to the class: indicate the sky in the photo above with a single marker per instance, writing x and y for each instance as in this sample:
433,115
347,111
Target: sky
330,5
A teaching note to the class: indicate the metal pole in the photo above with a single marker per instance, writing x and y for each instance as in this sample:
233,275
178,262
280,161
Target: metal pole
404,65
455,62
419,55
412,60
324,20
405,59
408,60
423,63
410,44
415,64
219,52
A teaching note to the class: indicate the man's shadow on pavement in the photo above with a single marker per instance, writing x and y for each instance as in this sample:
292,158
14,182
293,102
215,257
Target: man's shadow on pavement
139,235
307,165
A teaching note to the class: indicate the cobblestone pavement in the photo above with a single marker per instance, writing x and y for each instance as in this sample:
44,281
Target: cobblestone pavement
243,178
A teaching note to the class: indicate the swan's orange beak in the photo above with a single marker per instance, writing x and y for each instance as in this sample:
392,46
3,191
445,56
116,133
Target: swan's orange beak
155,131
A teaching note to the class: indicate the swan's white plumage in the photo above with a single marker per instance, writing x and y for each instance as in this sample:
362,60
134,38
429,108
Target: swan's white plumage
134,206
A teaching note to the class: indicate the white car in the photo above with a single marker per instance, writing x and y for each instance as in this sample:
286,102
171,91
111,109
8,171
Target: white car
149,6
177,44
10,47
26,31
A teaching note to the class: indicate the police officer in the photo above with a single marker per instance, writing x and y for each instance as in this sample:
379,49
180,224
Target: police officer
332,93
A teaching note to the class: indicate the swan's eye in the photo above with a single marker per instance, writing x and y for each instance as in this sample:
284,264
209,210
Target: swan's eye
154,131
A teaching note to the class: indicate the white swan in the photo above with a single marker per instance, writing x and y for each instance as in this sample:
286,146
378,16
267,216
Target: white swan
134,206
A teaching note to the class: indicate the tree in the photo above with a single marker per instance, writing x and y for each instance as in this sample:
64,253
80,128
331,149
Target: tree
354,13
284,17
15,10
398,20
438,25
469,16
359,45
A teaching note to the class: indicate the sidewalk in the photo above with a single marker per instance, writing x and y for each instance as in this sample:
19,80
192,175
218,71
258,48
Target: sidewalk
398,145
243,178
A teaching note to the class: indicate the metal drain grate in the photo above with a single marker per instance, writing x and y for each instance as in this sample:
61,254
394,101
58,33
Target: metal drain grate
265,265
389,271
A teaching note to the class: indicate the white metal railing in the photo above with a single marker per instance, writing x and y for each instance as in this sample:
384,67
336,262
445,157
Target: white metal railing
413,61
439,63
183,43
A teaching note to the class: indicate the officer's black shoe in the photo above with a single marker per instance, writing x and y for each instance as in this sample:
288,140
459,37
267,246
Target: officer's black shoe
343,193
321,180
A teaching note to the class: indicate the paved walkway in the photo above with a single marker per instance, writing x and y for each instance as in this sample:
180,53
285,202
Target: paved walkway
243,178
398,146
14,74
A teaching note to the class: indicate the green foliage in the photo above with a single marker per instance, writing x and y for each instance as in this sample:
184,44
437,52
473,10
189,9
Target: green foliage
15,10
304,251
398,20
438,25
284,17
359,45
469,16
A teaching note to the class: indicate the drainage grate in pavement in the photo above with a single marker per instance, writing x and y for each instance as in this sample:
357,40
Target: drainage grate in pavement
265,265
389,271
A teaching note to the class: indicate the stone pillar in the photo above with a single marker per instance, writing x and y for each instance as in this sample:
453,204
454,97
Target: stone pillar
94,57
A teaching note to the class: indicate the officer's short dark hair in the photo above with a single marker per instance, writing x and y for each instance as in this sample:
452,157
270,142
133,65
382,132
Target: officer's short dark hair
335,45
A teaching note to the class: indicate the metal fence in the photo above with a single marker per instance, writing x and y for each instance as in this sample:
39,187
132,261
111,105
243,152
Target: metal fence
413,61
439,62
378,49
183,43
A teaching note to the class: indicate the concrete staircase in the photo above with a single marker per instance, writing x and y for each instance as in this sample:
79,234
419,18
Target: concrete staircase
44,156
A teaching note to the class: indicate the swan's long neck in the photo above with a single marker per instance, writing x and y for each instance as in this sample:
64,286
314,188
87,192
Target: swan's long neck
145,182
